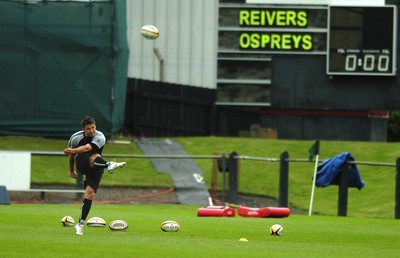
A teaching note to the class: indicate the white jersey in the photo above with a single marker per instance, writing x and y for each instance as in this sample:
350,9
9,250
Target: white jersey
79,139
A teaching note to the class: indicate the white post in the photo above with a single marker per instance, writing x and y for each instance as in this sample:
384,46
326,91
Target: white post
313,185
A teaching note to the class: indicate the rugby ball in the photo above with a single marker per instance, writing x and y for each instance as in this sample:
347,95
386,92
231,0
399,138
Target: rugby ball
67,221
118,225
276,230
170,226
96,222
149,32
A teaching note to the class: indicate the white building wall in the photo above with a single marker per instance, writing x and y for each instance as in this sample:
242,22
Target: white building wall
188,41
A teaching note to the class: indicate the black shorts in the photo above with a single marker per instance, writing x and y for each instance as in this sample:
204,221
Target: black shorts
93,174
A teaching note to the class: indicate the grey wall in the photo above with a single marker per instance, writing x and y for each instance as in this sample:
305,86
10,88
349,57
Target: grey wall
188,41
301,82
327,107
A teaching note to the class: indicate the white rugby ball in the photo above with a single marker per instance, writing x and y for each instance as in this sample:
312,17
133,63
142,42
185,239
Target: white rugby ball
276,230
67,221
170,226
96,222
118,225
149,32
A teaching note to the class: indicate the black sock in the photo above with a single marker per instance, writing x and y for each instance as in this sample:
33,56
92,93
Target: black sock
100,162
85,208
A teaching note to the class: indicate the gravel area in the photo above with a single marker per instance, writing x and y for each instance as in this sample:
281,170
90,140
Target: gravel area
129,195
104,195
137,195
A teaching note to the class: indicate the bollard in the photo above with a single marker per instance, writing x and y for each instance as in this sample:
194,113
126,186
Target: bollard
343,191
283,179
233,177
397,191
4,198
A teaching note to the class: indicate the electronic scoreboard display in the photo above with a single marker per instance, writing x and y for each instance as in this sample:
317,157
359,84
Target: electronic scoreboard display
362,40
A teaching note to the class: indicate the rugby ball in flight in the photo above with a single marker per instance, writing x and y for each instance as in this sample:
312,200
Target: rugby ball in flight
149,32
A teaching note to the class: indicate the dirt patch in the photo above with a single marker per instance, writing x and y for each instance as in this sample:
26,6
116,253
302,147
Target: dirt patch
104,195
132,195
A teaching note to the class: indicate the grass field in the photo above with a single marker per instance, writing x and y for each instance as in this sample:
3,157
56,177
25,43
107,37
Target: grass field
34,230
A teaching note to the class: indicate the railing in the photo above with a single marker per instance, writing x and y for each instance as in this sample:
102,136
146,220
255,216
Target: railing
284,160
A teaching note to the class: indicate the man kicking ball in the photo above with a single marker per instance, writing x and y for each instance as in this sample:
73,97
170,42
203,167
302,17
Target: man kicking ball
85,148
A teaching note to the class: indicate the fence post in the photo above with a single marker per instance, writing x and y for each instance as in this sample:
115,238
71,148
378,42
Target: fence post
283,179
224,169
343,191
397,191
233,177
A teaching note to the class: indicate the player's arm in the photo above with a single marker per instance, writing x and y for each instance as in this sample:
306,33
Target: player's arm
71,156
71,160
79,150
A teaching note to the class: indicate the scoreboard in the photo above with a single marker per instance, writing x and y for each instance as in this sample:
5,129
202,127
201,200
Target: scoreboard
272,29
355,40
361,40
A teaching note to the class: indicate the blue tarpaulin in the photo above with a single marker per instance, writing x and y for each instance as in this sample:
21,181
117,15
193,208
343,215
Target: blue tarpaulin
328,172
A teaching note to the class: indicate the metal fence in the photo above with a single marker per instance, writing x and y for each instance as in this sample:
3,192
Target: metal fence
156,109
284,160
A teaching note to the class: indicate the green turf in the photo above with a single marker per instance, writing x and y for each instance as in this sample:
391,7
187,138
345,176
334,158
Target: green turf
34,230
375,200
